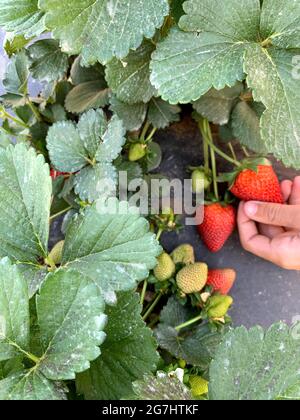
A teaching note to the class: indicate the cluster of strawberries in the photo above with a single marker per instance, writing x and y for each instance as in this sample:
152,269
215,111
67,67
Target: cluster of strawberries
196,278
251,182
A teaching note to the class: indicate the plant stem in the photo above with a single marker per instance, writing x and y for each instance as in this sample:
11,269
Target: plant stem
145,285
145,129
54,216
34,110
159,233
223,155
188,323
205,146
245,152
153,306
5,114
29,356
149,138
232,151
210,141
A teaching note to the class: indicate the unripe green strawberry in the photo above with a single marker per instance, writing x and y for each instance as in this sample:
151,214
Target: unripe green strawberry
219,306
137,151
55,255
199,386
200,181
182,363
192,278
165,268
184,254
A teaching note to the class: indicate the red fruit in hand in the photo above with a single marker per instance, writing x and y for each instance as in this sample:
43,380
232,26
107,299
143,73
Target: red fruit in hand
258,184
221,280
218,225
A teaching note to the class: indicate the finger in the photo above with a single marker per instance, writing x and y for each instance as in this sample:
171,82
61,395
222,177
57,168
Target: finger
286,189
270,231
295,193
273,214
250,238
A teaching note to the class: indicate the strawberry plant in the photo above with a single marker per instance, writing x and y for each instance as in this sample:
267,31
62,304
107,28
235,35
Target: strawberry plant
106,313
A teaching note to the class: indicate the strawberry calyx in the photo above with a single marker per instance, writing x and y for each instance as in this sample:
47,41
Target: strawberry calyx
247,164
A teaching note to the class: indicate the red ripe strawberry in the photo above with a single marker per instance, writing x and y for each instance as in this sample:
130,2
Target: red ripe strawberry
221,280
218,225
258,183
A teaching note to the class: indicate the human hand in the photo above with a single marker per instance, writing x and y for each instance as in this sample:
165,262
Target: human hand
272,231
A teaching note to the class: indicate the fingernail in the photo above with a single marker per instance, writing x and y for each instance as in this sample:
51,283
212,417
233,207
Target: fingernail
251,208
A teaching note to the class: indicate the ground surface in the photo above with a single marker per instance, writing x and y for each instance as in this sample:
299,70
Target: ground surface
263,293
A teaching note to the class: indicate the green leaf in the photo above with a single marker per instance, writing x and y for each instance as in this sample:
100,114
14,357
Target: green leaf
25,188
116,26
32,386
216,105
238,20
111,246
197,346
14,44
15,81
80,74
132,169
10,367
187,65
177,9
245,123
161,388
293,393
161,114
127,354
87,96
47,61
34,276
23,18
129,78
255,365
132,116
89,181
14,312
280,21
71,320
72,147
270,75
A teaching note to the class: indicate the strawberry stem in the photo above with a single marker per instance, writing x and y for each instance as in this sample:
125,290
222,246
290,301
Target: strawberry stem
144,132
143,294
205,146
188,323
208,140
54,216
223,154
232,150
153,306
6,115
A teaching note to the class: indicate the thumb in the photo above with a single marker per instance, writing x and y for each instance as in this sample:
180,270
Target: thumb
274,214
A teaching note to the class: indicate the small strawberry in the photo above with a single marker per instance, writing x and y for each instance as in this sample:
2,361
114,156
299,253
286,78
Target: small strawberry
255,180
165,268
221,280
199,386
218,306
137,151
200,181
192,278
55,256
218,225
184,254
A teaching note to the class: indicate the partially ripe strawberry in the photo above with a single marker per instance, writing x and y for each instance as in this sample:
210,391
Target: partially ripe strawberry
256,180
218,225
221,280
192,278
165,268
